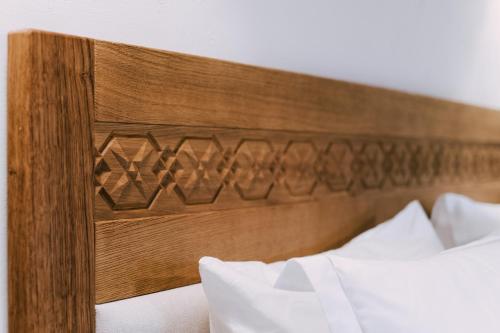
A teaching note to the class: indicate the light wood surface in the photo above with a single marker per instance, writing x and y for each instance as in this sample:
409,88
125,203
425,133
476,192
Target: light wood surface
50,231
140,85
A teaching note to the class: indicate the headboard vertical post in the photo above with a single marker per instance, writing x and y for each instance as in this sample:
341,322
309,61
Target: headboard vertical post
50,183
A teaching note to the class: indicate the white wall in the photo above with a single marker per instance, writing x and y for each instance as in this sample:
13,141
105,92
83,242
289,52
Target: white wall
446,48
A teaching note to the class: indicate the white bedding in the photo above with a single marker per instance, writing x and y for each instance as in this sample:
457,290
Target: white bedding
173,311
240,302
456,291
178,310
460,220
186,310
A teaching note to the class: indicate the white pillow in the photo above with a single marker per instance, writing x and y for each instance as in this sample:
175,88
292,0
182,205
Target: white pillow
247,301
408,235
460,220
238,303
456,291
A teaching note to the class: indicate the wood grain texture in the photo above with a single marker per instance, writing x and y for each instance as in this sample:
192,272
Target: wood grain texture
196,156
146,170
50,188
139,256
139,85
183,156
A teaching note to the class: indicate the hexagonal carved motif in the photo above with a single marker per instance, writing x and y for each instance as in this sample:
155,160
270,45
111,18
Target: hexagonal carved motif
124,172
298,167
253,169
337,166
450,163
400,158
373,169
423,164
197,170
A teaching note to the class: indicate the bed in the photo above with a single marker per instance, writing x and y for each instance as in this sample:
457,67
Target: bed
128,164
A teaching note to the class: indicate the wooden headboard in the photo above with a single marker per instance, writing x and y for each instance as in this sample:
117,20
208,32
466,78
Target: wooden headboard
128,164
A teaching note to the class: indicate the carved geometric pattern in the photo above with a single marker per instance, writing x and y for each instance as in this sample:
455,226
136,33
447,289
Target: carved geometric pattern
337,165
400,169
134,171
125,172
253,169
197,172
298,166
374,166
422,164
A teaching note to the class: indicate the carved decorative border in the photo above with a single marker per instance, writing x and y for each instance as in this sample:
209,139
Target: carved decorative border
133,170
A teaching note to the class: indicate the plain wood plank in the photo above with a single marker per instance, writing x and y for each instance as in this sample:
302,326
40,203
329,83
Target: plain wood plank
135,257
50,184
145,255
140,85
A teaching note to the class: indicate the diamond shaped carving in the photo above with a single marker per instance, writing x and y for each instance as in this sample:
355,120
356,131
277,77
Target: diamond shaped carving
422,162
337,162
124,171
197,170
373,170
101,171
450,162
253,169
400,164
466,165
165,166
483,162
298,166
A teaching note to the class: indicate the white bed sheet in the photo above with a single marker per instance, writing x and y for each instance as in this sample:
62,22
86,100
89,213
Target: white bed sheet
177,310
173,311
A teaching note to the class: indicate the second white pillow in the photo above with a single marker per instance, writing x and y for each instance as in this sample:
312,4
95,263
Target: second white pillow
460,220
243,299
455,291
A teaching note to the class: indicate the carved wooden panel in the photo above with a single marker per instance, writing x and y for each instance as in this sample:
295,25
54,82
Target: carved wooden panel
166,195
153,170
